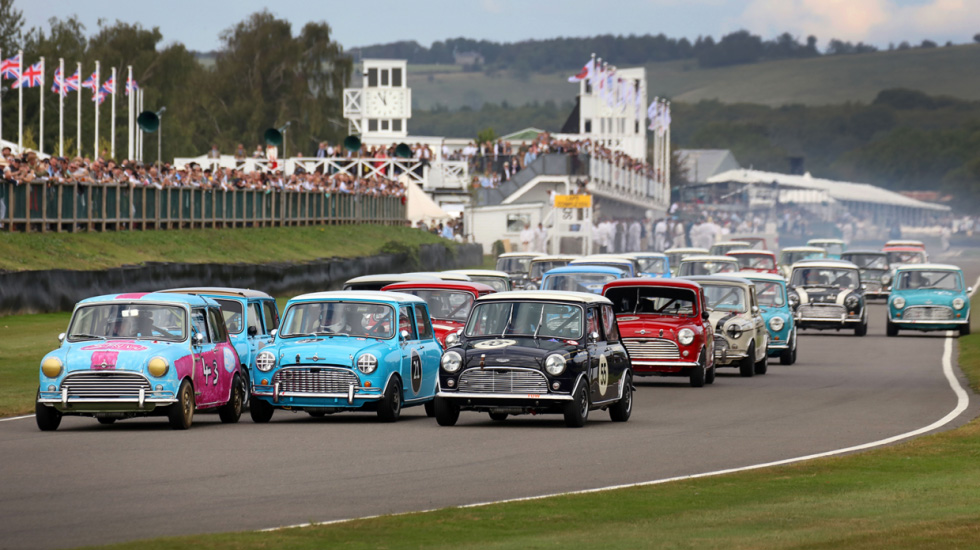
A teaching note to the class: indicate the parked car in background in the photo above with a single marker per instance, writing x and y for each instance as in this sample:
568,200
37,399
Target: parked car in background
793,254
771,292
449,302
581,278
537,353
348,351
721,248
827,294
141,354
542,264
873,266
628,265
498,280
664,325
906,242
381,280
651,264
517,265
707,265
740,335
759,261
675,255
834,247
441,275
929,297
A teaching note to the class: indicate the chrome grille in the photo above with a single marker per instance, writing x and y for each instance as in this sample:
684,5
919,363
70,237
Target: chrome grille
822,311
105,384
315,379
651,348
872,287
495,380
928,313
720,344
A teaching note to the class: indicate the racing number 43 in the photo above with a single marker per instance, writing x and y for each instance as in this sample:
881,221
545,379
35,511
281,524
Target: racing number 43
208,370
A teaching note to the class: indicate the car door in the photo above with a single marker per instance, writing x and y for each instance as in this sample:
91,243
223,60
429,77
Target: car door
207,371
255,330
598,362
411,364
270,322
759,324
429,351
616,355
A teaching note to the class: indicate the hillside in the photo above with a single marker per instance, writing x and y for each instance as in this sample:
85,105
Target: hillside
815,81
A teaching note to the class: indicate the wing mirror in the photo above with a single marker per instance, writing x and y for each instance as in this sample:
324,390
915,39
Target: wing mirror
404,335
197,339
593,337
452,339
705,315
61,337
253,330
755,309
969,290
274,332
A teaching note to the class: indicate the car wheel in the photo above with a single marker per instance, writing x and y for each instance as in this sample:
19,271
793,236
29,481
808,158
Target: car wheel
390,407
246,388
891,329
620,412
577,410
430,408
498,417
762,366
710,377
48,418
181,414
698,376
447,413
861,329
106,421
230,412
965,329
788,356
261,411
746,367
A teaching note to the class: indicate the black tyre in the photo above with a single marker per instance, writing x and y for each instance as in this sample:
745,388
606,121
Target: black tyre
861,329
230,412
746,367
246,388
181,413
620,412
447,413
762,366
498,417
965,329
48,418
390,407
106,421
710,377
261,411
788,356
577,411
430,408
698,376
891,329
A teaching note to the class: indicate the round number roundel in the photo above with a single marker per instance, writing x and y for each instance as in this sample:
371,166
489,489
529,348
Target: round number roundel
416,371
496,343
603,375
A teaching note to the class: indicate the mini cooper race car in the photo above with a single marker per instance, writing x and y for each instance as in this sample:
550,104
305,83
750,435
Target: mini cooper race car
876,278
629,265
449,302
497,280
664,325
652,264
707,265
793,254
827,294
517,265
721,248
537,353
740,335
543,264
580,278
675,255
770,290
759,261
141,354
929,297
348,351
834,247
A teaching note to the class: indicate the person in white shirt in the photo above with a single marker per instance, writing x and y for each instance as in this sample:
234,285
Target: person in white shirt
527,238
541,239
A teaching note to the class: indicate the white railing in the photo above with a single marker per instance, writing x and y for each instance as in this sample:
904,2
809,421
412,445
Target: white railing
448,175
618,182
352,103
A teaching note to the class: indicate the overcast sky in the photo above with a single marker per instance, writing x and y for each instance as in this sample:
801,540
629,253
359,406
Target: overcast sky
198,23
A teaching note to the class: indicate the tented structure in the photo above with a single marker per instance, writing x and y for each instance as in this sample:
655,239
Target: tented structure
420,207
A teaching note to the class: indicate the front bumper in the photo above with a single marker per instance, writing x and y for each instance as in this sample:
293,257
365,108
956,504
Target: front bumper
653,366
936,322
145,401
355,396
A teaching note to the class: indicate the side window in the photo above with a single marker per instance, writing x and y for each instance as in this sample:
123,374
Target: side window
271,315
217,326
422,322
255,318
753,301
405,322
592,322
609,324
199,323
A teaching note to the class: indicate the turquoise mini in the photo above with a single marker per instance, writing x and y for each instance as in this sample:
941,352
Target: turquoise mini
929,297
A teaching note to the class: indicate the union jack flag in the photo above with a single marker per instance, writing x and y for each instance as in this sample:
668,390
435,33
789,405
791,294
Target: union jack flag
109,86
99,96
72,82
92,83
131,86
10,67
33,76
59,83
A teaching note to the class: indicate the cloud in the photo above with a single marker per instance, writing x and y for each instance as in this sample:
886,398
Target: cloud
870,21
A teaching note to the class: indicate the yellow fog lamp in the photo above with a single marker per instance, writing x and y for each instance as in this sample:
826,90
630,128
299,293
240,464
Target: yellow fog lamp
51,367
158,367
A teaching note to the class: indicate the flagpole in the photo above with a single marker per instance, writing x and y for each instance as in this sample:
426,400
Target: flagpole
40,133
1,102
139,132
78,127
61,107
95,90
130,93
112,126
20,100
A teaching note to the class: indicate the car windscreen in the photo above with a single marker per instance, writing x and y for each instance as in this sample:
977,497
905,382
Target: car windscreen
496,283
652,265
231,310
836,277
538,269
755,261
867,261
626,267
541,319
770,294
652,300
831,248
906,257
725,297
452,305
941,280
790,258
358,319
721,249
129,321
707,268
513,265
579,282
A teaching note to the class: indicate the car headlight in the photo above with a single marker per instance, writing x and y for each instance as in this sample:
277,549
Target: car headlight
898,302
367,363
852,301
265,361
451,361
530,286
554,364
958,303
734,332
794,299
776,324
51,367
685,336
452,339
158,367
886,278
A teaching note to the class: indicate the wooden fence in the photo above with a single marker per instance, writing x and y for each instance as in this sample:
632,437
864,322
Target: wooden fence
44,207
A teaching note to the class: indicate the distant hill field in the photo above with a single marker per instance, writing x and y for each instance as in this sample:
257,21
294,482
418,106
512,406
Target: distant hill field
816,81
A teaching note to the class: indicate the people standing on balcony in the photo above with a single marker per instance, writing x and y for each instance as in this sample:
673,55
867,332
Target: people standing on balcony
240,153
214,153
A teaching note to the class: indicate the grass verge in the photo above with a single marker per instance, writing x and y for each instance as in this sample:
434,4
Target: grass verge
90,251
920,494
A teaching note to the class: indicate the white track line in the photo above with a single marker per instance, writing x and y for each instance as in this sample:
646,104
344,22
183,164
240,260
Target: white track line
16,418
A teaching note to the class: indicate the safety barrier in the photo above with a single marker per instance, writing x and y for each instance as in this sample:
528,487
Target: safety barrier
50,207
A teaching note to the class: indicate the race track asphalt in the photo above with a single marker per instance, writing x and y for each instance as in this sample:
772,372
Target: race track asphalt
93,484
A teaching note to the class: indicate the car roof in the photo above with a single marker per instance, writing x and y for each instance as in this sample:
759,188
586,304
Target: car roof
444,285
905,242
556,257
825,263
176,298
803,249
863,251
645,255
579,268
746,251
442,275
359,296
589,260
392,277
727,279
691,249
655,281
709,258
550,295
752,275
480,273
834,241
218,291
520,254
887,248
928,267
736,241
